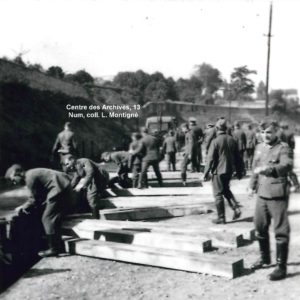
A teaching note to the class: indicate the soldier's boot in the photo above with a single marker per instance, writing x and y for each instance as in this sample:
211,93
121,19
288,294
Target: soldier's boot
95,213
53,242
183,178
221,213
265,259
281,257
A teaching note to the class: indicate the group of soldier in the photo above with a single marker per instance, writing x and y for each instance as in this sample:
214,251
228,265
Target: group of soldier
220,152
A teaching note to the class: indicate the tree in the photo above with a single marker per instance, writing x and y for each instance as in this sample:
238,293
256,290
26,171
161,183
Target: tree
156,91
82,77
240,84
56,71
189,90
36,67
278,102
210,78
261,91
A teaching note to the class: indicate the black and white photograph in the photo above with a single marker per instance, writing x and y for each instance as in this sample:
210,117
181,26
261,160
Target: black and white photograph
149,149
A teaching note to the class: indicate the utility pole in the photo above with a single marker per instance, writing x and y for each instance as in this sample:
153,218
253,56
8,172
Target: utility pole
268,59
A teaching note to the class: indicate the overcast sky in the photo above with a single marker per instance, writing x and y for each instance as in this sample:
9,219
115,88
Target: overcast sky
105,37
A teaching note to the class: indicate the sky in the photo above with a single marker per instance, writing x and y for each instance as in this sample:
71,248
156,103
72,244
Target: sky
105,37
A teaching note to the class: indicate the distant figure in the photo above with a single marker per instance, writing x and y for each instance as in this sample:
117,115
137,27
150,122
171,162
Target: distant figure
50,192
209,134
122,160
222,160
135,162
149,150
188,150
250,146
170,149
65,143
240,137
88,177
198,136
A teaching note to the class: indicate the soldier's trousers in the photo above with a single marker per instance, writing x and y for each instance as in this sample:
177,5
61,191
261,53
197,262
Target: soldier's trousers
249,158
53,211
220,184
93,195
145,166
186,160
171,160
136,171
266,210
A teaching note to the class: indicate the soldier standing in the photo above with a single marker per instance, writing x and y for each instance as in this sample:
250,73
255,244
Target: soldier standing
88,177
271,165
169,147
50,192
65,143
197,135
240,137
222,160
250,146
149,150
135,161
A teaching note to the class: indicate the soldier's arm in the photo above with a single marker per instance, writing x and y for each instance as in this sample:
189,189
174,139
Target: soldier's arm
139,149
56,145
254,176
210,158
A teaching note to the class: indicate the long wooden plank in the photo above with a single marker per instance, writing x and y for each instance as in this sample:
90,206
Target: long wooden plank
167,175
156,201
163,191
144,213
146,238
172,259
176,183
219,239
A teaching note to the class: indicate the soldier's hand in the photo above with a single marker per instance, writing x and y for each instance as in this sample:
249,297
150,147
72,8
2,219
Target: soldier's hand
78,187
206,177
20,210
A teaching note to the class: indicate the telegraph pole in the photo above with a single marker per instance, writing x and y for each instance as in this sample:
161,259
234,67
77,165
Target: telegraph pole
268,59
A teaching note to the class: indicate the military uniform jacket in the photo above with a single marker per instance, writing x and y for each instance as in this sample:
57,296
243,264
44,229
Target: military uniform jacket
189,143
287,137
210,134
135,159
197,134
44,184
240,137
65,141
223,155
149,148
278,158
91,172
250,139
169,145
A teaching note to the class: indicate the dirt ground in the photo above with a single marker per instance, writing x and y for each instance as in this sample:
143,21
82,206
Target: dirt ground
77,277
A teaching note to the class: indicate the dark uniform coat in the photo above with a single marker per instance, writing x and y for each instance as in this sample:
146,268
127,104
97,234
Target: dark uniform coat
240,137
95,179
49,189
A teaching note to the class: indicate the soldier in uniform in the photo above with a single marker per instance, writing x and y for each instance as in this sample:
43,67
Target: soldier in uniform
250,146
240,137
197,135
188,149
150,152
65,143
50,193
90,178
170,149
122,160
135,161
222,160
272,162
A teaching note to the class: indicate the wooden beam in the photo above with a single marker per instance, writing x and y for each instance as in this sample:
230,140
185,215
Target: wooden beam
146,238
219,239
142,201
144,213
173,259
